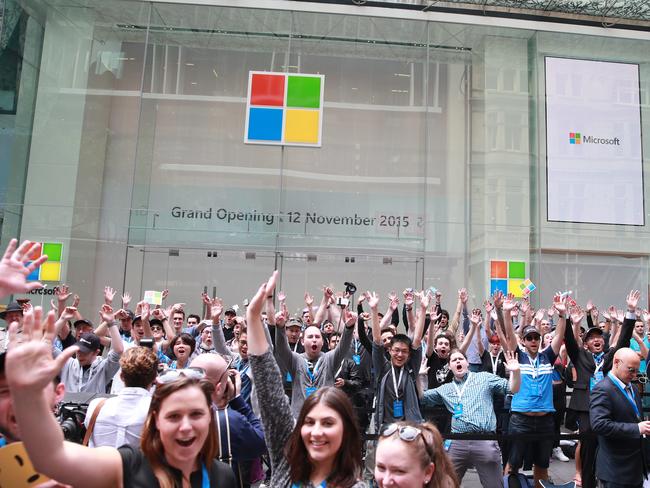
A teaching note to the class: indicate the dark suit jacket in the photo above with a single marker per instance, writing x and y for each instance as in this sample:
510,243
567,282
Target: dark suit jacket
583,363
620,457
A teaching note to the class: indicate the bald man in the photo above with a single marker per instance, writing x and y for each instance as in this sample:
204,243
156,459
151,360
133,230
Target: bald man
616,416
240,432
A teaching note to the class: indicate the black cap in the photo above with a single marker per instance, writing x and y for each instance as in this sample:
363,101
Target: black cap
88,342
591,331
530,330
230,311
130,314
12,307
81,322
153,322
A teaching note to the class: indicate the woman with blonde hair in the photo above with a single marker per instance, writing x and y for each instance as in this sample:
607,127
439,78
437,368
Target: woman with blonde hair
178,446
411,455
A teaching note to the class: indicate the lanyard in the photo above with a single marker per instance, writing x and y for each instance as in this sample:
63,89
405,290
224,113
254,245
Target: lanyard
81,376
460,391
312,376
629,398
396,382
243,367
205,483
295,346
535,364
356,346
495,361
323,484
599,364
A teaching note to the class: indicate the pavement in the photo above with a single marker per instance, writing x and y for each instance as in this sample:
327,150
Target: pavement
560,472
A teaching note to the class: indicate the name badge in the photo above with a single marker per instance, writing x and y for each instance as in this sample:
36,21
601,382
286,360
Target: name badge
447,444
357,359
536,388
398,409
309,390
289,378
458,410
595,378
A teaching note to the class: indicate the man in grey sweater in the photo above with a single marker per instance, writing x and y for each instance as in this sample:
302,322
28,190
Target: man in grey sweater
312,369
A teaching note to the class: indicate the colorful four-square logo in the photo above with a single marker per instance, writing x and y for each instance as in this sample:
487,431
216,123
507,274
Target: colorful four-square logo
50,270
284,109
575,138
510,277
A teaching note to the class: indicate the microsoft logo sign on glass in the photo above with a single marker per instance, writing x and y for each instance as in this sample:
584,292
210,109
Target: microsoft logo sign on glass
578,138
50,270
284,109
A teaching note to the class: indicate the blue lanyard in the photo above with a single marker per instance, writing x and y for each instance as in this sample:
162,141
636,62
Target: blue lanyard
323,484
631,400
356,346
206,477
309,373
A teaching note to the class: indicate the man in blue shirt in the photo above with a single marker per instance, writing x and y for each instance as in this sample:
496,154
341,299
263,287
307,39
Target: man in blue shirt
469,397
532,407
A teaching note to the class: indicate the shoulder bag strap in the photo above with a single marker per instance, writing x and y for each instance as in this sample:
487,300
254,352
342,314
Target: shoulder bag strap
93,419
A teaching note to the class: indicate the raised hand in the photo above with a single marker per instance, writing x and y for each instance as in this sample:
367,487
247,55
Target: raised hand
165,294
145,311
539,315
475,318
425,299
633,299
216,308
349,317
497,298
525,305
126,300
14,269
30,365
646,316
462,295
559,302
394,303
309,299
577,314
62,292
509,303
611,312
68,313
281,296
488,307
281,318
392,296
257,302
205,299
512,363
106,314
75,301
373,299
109,294
408,297
590,306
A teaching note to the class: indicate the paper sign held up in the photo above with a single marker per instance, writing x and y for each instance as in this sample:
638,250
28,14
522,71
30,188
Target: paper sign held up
153,297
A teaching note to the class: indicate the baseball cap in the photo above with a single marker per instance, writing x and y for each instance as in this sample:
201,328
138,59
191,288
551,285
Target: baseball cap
294,322
82,322
130,314
530,330
591,331
88,342
230,311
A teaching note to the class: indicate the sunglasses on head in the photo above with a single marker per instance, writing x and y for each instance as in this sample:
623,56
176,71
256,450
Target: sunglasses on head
174,374
405,432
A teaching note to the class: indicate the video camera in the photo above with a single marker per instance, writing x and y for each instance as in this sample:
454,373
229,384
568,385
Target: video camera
72,413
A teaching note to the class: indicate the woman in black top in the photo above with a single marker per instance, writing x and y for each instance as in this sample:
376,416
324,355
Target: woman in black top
178,444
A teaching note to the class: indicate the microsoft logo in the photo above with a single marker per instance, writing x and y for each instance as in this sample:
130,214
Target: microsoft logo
510,277
50,270
578,138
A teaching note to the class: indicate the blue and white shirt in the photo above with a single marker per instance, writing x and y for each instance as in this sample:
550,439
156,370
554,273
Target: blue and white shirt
536,392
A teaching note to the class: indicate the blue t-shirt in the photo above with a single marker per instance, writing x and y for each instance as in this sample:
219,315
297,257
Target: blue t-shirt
634,345
536,392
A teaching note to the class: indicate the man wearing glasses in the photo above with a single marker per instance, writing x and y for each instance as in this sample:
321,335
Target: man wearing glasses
616,416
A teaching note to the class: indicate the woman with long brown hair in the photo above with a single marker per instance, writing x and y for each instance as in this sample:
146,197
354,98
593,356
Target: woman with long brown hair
178,444
323,449
411,455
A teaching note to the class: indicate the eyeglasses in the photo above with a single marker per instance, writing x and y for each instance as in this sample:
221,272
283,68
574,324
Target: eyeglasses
174,374
405,432
532,338
155,327
399,351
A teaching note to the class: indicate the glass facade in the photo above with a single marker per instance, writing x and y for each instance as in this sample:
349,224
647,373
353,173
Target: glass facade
123,139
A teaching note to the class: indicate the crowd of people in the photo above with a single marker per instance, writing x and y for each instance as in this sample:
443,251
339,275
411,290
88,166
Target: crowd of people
336,395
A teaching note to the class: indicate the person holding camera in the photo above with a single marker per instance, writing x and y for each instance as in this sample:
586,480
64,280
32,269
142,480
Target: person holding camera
119,420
